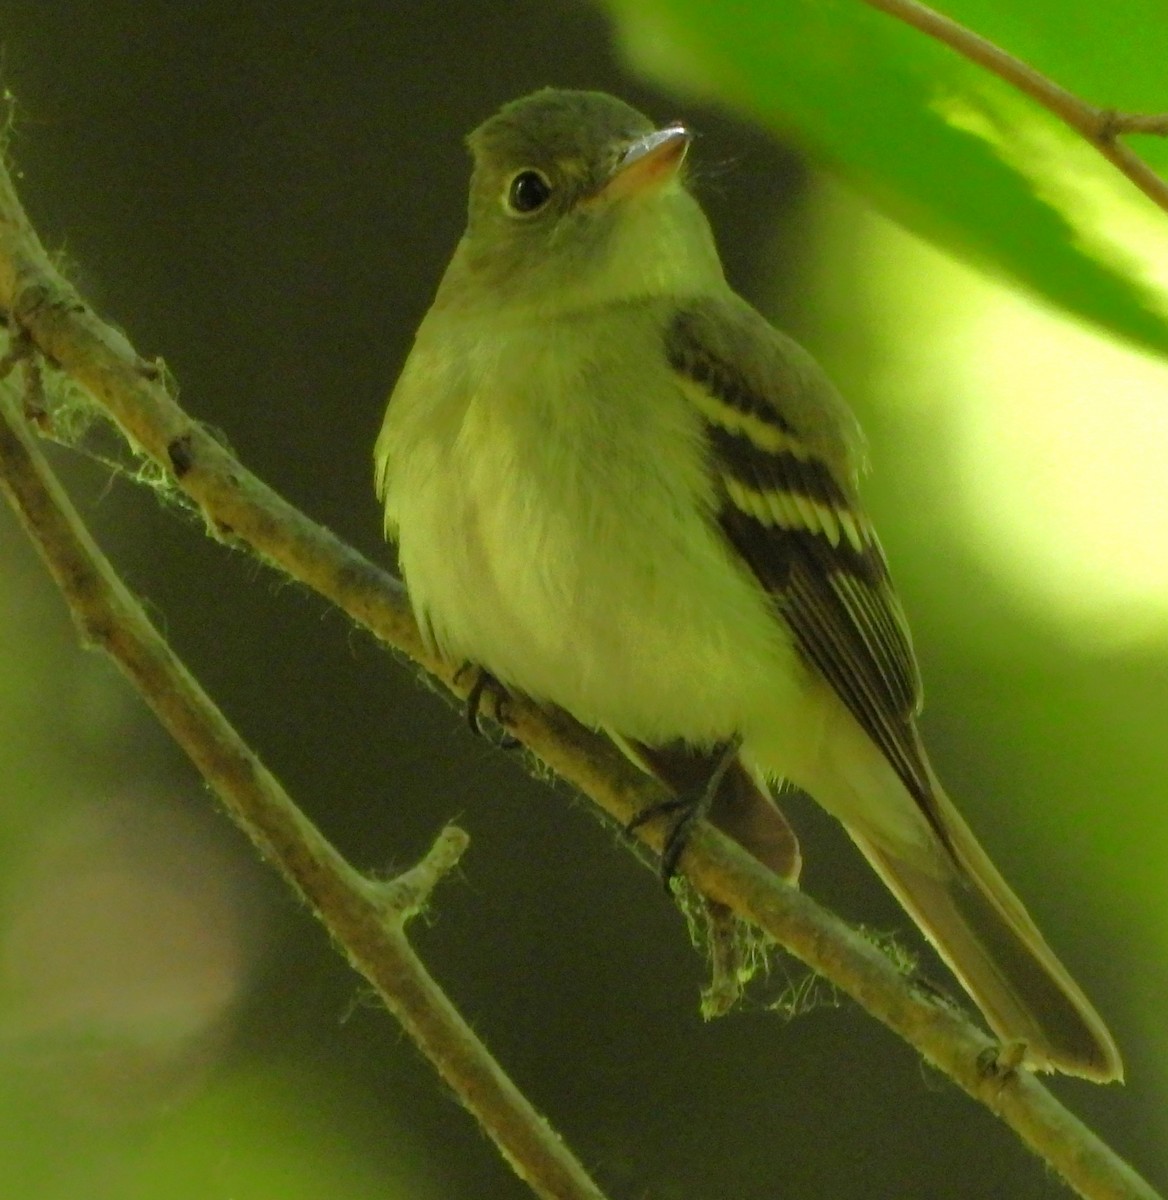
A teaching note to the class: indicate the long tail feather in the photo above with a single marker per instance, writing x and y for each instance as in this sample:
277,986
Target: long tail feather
987,938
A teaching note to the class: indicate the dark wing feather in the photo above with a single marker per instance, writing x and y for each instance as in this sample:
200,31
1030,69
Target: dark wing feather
784,469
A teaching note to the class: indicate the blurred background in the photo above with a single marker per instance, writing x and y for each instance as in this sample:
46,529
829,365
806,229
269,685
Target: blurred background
265,196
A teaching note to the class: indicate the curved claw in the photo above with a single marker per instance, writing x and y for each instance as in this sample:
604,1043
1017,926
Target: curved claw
688,812
690,809
486,682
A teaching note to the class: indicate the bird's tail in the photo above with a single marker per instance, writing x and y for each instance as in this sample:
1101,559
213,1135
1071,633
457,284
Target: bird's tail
987,938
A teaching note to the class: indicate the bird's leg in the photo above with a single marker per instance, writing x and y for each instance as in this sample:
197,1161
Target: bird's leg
484,682
688,808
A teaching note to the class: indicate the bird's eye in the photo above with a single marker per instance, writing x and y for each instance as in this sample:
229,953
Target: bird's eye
528,192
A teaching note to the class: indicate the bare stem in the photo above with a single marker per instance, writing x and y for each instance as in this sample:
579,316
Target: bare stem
239,506
1100,126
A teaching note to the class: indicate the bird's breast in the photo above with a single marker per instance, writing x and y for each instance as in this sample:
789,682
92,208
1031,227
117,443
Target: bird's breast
552,502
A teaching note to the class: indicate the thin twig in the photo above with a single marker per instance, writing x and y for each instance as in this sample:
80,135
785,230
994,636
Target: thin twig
238,505
366,918
1100,126
1117,123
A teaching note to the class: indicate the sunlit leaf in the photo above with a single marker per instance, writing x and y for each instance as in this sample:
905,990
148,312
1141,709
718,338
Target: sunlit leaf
943,147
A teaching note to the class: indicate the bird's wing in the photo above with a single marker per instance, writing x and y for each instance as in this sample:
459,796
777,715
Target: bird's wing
785,453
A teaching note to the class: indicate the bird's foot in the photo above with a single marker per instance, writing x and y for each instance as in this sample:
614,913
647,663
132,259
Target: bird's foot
686,811
1003,1060
485,682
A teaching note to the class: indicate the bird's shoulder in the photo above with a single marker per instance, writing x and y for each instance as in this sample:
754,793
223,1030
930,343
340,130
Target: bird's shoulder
723,345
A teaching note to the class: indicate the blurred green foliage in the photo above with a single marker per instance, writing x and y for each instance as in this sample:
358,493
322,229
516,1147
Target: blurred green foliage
885,106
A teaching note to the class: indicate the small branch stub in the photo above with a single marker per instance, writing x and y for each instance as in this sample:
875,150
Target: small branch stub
403,897
1113,124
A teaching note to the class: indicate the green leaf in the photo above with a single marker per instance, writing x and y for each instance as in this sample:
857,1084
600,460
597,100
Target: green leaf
942,146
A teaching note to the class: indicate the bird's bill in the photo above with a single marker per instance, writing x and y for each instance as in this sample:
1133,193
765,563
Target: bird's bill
651,161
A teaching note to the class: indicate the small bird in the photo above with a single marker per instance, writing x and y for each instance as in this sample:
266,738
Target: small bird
616,488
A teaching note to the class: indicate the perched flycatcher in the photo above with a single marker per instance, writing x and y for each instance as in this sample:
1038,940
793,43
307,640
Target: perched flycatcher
616,488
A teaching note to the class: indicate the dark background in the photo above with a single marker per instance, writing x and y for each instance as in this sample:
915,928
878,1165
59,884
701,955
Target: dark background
266,196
